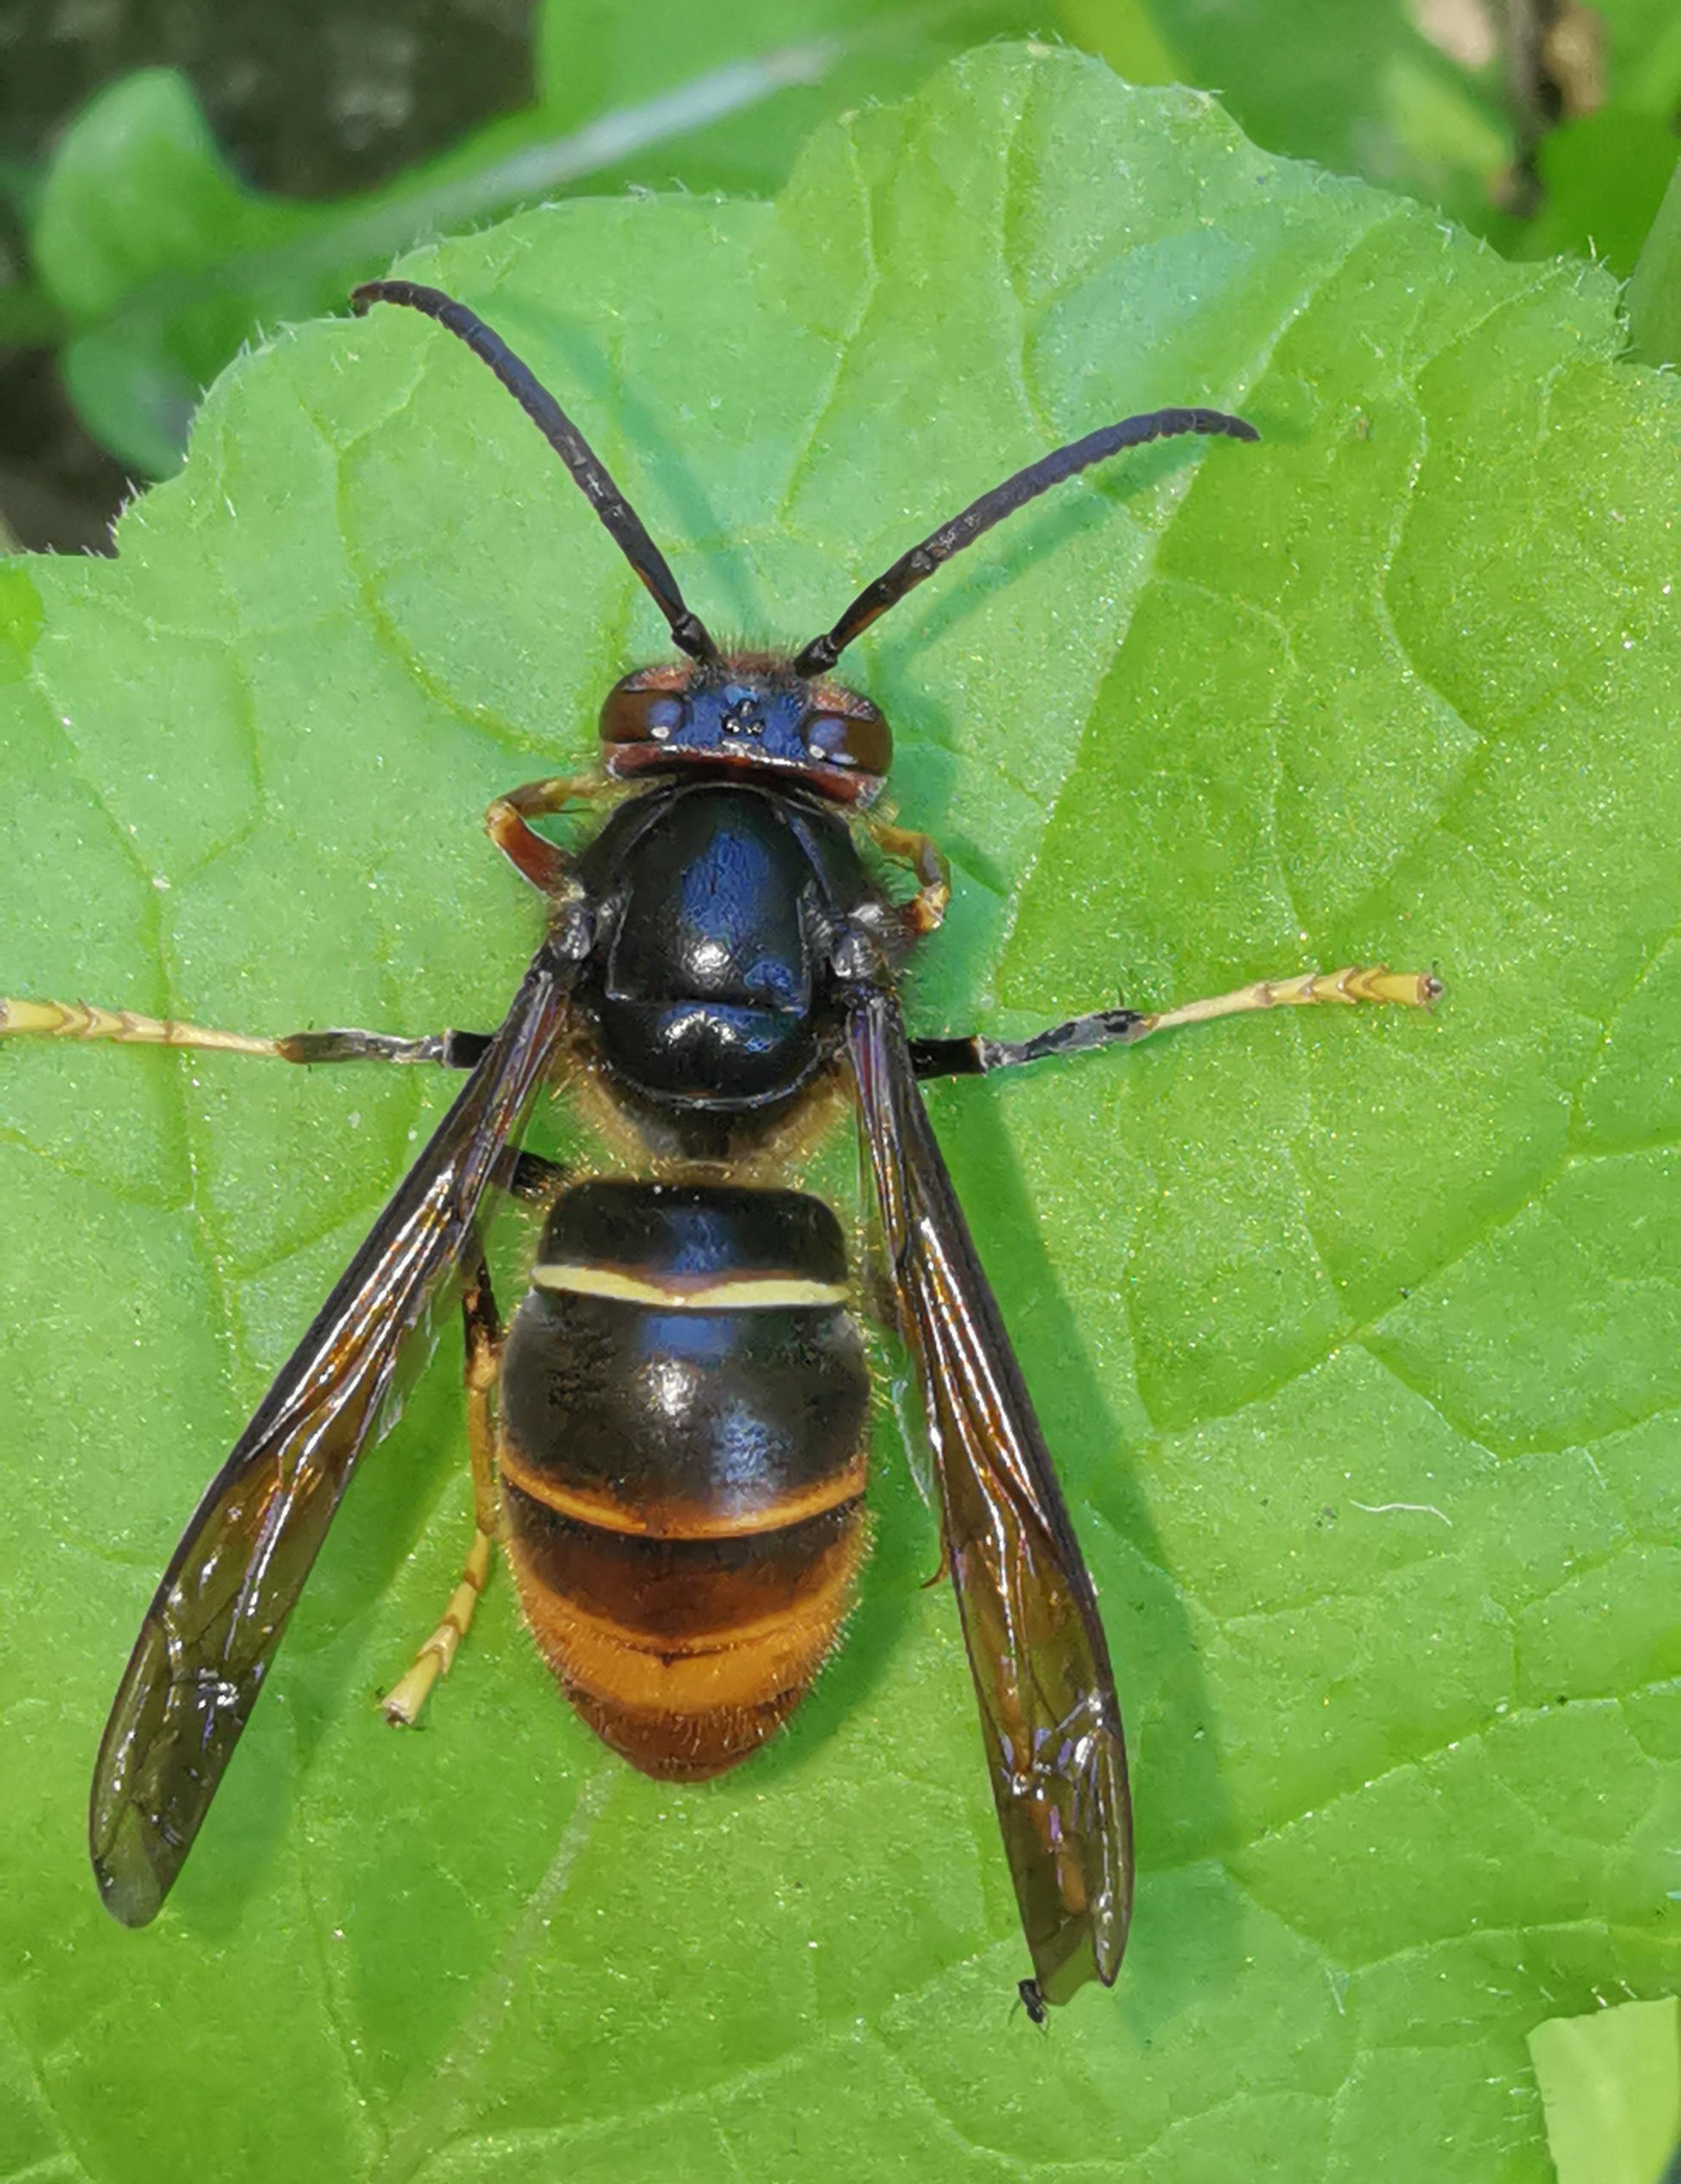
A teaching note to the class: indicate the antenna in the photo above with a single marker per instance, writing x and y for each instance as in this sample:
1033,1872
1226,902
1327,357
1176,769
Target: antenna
921,562
623,525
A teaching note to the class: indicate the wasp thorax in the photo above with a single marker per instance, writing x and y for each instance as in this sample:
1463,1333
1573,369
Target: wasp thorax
750,714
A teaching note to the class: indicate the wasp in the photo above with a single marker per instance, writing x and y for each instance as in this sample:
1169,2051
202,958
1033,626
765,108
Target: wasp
669,1435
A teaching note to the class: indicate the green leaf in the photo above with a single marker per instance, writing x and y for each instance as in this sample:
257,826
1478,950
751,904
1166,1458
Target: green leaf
166,264
1414,96
597,56
1605,177
1642,47
1604,168
1355,1332
139,199
1360,88
1610,2085
1654,298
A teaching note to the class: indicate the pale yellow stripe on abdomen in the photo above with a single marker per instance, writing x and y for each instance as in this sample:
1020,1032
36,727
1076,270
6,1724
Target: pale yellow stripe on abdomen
748,1292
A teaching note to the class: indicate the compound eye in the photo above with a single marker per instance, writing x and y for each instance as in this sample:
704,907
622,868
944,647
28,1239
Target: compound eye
859,744
640,716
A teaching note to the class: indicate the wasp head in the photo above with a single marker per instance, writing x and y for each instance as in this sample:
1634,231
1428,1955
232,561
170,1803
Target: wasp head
749,713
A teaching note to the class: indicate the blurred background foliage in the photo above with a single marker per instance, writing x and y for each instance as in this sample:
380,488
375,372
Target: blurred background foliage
178,176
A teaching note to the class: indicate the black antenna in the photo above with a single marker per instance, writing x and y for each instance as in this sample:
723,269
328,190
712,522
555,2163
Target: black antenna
625,526
938,546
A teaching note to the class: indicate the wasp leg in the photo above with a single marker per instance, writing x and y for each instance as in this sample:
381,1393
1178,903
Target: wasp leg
402,1704
533,856
976,1056
927,908
534,1179
450,1050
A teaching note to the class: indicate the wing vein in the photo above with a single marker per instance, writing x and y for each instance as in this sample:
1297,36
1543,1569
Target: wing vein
217,1618
1036,1647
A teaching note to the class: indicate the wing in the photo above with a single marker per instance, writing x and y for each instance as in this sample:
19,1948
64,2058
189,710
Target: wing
219,1614
1036,1647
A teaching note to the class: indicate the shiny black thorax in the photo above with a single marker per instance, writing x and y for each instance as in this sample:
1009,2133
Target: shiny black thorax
717,907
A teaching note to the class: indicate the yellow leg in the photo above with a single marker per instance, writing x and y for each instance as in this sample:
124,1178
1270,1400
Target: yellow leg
976,1056
1376,982
78,1020
402,1704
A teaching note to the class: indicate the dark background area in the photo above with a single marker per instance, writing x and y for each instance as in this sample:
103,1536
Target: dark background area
314,98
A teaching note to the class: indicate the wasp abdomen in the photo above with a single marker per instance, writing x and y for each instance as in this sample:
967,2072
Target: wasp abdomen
684,1412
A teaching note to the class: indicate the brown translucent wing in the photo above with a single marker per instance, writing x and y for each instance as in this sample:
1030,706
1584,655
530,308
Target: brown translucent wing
219,1614
1037,1652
